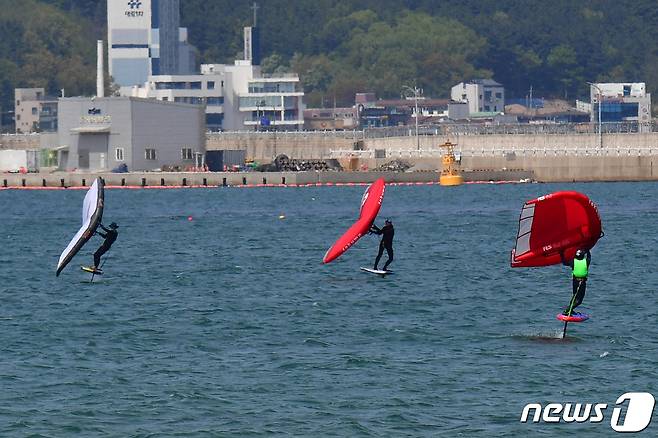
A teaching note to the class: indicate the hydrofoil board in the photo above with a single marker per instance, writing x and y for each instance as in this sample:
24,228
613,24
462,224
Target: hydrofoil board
574,317
91,270
376,271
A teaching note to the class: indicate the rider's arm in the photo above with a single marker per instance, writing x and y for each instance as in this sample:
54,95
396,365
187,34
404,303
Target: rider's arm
375,229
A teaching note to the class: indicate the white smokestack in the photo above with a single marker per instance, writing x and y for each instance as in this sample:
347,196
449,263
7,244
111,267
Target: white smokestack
100,82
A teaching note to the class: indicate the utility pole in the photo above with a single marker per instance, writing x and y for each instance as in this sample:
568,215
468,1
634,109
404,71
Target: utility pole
416,91
530,97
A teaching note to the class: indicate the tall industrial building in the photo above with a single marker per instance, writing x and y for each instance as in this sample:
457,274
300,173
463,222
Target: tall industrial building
252,45
144,39
236,96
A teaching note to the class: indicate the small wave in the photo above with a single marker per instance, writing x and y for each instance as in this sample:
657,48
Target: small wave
316,342
549,336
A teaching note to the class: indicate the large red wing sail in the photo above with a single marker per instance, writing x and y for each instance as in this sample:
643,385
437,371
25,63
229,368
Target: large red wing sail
370,205
561,222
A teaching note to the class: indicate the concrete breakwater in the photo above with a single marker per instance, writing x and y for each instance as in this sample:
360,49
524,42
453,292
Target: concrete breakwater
545,157
215,179
572,168
264,146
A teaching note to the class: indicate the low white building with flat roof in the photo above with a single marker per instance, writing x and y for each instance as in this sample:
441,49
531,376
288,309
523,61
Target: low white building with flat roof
205,89
101,134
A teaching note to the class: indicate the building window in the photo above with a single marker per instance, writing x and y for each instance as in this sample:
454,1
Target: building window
499,95
118,154
487,108
149,154
211,85
186,153
165,98
34,111
215,101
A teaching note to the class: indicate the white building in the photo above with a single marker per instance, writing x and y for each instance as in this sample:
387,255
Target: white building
620,102
253,100
207,89
482,95
237,97
144,39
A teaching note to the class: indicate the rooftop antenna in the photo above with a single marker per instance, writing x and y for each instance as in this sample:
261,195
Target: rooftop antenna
255,7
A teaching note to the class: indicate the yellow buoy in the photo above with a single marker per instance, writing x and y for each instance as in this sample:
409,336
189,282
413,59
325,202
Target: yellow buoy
450,174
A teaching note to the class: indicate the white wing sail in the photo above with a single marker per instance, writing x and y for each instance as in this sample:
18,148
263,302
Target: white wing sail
92,213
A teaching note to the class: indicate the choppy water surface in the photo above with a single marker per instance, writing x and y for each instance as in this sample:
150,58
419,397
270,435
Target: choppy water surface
228,324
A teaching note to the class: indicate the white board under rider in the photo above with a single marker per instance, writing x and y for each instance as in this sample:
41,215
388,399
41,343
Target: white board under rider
376,271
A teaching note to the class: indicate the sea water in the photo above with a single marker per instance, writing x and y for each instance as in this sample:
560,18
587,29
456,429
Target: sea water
215,316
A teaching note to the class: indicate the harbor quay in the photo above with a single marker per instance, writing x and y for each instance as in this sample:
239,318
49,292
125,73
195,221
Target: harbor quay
487,154
57,180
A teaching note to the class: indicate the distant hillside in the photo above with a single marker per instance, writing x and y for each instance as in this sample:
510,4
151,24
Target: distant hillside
340,47
42,46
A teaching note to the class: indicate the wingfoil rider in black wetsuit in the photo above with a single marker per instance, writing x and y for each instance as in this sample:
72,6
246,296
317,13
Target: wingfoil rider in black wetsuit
110,236
386,243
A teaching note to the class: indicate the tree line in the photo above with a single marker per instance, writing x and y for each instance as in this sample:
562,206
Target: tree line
339,47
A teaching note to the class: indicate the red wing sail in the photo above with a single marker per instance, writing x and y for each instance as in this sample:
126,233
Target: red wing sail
370,205
561,222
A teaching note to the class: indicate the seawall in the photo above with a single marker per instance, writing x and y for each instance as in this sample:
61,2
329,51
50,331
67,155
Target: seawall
545,157
215,179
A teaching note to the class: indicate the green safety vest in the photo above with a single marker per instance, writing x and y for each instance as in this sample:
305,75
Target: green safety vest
580,268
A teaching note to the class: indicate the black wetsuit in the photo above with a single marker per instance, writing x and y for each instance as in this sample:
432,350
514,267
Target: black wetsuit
110,236
386,243
579,285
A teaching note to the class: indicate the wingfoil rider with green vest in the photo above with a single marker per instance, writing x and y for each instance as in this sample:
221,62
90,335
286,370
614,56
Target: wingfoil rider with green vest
579,269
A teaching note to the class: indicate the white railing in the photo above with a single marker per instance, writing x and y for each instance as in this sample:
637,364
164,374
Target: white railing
498,152
476,129
370,153
558,152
